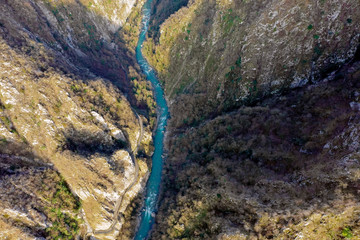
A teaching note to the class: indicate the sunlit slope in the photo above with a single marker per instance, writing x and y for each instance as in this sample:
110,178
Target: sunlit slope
217,54
67,93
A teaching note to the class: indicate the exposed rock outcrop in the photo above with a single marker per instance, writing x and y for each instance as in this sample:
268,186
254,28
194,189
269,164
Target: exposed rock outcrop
63,74
286,167
263,136
218,54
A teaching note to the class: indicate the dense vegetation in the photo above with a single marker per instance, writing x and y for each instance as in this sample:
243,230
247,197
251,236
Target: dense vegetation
263,140
42,193
264,100
64,224
161,10
280,168
197,54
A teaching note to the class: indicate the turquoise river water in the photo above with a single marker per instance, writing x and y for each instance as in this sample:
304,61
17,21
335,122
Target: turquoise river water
153,184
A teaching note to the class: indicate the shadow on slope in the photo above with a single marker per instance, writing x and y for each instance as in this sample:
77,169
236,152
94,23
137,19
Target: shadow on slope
264,170
86,143
76,40
161,10
223,54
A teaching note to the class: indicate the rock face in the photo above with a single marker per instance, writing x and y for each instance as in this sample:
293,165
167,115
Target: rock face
82,34
264,119
65,120
218,53
286,167
263,141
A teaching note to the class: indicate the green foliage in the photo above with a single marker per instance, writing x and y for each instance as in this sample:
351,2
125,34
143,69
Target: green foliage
60,211
229,19
57,106
66,198
238,62
75,88
188,30
229,129
6,121
233,81
310,27
197,225
143,94
8,106
64,226
234,73
180,89
347,233
318,51
56,13
253,87
161,11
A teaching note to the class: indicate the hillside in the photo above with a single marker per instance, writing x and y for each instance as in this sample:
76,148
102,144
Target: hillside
263,136
284,167
161,10
262,141
216,54
69,88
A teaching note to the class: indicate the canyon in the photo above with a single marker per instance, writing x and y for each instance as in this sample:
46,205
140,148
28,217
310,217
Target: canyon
263,106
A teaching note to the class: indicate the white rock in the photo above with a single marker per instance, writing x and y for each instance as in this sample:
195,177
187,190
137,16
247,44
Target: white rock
118,134
355,106
100,119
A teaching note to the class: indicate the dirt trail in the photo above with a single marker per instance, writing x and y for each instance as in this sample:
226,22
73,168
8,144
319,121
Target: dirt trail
121,198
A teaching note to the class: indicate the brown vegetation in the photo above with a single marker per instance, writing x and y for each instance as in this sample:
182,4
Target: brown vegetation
215,54
64,72
280,169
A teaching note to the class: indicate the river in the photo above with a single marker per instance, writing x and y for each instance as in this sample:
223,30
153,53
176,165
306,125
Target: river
153,184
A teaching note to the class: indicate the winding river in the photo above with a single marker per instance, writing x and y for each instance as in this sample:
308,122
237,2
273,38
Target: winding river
153,184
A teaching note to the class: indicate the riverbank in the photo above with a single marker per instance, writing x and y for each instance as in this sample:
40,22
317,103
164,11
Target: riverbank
154,182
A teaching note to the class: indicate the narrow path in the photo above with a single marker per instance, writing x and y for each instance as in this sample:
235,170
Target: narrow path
135,179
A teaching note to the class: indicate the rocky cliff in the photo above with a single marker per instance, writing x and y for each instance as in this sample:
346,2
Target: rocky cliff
286,167
263,140
68,125
219,54
264,100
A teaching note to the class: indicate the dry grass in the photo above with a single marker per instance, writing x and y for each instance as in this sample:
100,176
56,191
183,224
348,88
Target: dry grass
57,104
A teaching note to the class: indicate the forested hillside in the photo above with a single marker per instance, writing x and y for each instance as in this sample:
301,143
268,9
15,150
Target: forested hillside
263,137
262,140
